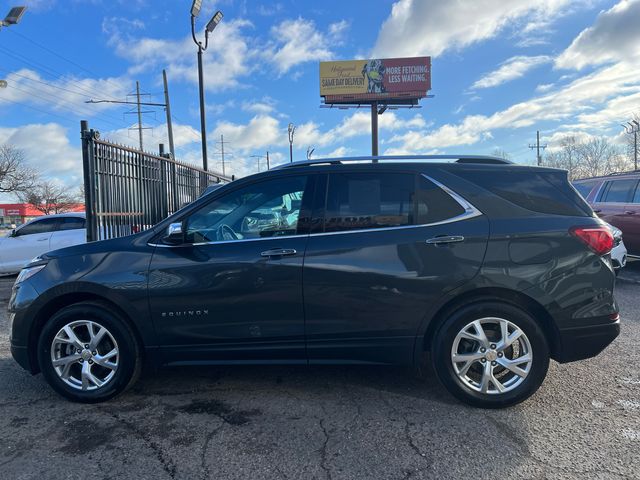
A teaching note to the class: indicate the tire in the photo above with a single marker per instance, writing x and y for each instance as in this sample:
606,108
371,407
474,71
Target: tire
117,372
457,335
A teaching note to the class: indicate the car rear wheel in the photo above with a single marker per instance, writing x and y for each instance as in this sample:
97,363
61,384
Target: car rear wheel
88,353
490,354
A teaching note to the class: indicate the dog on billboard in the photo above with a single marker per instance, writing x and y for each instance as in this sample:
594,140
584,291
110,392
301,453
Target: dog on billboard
374,71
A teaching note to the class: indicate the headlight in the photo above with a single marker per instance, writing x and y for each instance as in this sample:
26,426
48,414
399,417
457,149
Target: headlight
28,272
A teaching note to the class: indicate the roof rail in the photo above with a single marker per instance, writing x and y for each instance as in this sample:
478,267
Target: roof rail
482,159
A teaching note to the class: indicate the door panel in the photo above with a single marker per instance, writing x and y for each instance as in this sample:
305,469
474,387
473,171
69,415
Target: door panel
233,292
371,276
380,285
226,301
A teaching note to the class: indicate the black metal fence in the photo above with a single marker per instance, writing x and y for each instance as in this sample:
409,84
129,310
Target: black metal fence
127,190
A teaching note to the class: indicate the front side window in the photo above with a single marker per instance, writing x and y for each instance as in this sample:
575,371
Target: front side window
266,209
357,201
618,191
45,225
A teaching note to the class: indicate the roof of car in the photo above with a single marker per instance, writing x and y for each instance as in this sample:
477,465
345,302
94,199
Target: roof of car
59,215
633,173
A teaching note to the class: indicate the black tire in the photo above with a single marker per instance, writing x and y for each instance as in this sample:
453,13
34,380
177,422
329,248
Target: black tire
443,341
129,357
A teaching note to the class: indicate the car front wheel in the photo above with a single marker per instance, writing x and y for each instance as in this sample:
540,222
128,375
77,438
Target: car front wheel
490,354
88,353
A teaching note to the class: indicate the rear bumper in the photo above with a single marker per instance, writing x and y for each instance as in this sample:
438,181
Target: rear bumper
578,343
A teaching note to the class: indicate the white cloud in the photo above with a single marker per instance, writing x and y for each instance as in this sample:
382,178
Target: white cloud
228,57
514,67
616,87
298,41
430,27
66,94
544,87
613,37
46,146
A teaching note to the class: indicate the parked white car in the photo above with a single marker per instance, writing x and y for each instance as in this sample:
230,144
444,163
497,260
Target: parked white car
619,252
39,236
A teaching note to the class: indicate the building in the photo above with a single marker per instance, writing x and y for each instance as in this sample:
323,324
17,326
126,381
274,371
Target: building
19,213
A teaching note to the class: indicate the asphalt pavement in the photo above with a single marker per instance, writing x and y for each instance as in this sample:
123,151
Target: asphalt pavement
328,422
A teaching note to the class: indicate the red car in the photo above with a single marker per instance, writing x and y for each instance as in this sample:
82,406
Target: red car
616,199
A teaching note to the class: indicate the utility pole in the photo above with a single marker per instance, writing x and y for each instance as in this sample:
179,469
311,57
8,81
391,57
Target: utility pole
138,110
139,114
221,153
222,148
268,166
537,146
168,111
633,128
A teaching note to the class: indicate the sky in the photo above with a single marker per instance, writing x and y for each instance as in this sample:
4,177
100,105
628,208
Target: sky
500,71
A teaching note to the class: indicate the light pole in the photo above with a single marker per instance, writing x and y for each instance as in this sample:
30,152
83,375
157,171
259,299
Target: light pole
213,23
291,129
13,17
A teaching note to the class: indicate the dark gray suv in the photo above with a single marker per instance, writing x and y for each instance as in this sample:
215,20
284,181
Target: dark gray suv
489,267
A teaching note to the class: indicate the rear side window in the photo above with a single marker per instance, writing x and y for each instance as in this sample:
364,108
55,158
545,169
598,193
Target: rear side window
636,196
71,223
538,191
357,201
584,188
618,191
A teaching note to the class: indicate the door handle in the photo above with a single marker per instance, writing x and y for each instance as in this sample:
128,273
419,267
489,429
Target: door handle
630,212
445,239
279,252
42,240
598,210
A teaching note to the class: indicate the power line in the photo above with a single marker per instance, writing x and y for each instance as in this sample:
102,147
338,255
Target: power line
50,71
47,49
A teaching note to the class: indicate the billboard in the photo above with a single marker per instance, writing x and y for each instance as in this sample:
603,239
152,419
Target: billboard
366,81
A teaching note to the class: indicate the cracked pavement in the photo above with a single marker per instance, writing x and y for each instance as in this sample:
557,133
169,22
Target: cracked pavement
327,422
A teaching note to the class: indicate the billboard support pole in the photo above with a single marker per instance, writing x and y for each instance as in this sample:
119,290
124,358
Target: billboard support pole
374,130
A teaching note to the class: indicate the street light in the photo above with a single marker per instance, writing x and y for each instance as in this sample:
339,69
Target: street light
213,23
13,17
291,129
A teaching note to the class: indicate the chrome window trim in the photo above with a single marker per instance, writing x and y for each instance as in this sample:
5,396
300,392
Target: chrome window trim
469,212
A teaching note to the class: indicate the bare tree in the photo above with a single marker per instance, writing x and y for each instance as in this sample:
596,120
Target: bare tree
15,175
49,197
586,159
500,153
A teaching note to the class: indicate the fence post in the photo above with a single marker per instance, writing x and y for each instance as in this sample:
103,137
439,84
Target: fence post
164,186
87,170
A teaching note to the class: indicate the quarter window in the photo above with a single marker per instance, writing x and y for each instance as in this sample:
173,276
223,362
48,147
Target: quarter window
618,191
434,204
267,209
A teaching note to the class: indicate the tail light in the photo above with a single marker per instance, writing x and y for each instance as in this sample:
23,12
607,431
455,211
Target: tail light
599,239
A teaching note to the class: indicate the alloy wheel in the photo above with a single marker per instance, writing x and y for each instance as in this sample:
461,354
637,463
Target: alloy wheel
84,355
491,355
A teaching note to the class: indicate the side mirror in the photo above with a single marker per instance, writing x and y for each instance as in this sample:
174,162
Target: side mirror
13,233
175,234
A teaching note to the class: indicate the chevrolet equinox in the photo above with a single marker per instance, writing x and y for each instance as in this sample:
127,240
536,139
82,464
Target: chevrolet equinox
487,268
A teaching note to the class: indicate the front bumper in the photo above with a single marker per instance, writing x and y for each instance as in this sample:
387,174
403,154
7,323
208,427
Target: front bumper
21,356
578,343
